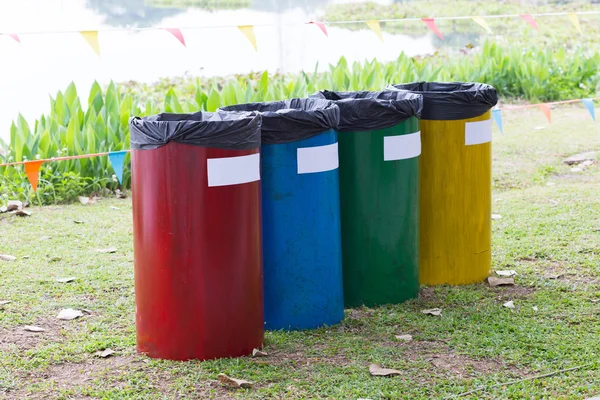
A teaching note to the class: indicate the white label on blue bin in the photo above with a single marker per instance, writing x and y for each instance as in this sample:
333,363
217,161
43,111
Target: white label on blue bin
401,147
478,132
233,170
318,159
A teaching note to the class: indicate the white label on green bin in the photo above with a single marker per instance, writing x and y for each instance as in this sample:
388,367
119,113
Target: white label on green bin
233,170
478,132
401,147
318,158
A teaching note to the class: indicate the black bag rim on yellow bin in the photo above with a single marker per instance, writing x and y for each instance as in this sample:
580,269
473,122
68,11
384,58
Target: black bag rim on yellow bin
292,120
447,101
367,111
224,130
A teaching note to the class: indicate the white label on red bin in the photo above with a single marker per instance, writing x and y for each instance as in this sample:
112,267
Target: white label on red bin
478,132
233,170
318,159
401,147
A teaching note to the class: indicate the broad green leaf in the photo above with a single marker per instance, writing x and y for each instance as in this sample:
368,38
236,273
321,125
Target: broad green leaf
214,100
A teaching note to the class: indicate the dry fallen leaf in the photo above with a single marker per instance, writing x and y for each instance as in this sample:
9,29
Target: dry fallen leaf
553,276
496,216
234,383
595,300
22,213
55,259
4,302
14,205
87,200
493,281
376,370
32,328
434,311
114,208
107,251
509,304
259,353
507,272
66,280
105,353
3,209
79,222
534,308
404,338
120,195
68,314
6,257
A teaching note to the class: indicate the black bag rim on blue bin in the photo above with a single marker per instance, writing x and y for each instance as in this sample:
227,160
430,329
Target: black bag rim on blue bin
366,111
223,130
451,100
292,120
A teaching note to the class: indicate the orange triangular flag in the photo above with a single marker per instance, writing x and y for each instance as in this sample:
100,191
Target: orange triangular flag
546,110
529,19
575,21
32,170
321,27
15,37
431,25
177,33
375,27
92,38
481,22
248,31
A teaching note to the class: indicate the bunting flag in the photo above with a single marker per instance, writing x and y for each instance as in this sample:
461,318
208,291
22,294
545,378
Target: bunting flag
248,31
117,159
91,37
321,27
177,33
375,26
15,37
497,118
575,21
32,170
431,25
546,110
529,19
589,104
481,22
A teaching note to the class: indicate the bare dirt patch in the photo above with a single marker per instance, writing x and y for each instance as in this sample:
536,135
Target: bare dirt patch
17,337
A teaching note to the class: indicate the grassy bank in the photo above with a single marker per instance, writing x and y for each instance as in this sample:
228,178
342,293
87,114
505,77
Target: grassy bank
550,226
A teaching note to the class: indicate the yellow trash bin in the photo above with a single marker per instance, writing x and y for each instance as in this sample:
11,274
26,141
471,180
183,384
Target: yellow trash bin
456,181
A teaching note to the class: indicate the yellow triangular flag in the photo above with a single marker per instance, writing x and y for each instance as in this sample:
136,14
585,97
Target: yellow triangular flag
248,31
92,38
575,21
375,27
482,23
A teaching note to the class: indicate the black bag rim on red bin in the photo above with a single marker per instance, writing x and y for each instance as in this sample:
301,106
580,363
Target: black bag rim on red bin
220,129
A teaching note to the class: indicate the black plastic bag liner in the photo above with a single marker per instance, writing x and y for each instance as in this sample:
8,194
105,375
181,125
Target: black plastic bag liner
452,101
365,111
293,120
223,130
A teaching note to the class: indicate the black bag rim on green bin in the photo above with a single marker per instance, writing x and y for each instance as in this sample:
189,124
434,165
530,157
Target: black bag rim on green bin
448,101
224,130
368,110
292,120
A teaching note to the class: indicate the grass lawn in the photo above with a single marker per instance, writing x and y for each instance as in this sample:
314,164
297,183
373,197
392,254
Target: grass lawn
550,226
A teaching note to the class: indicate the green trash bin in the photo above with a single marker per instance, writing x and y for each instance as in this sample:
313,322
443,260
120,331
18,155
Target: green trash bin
379,148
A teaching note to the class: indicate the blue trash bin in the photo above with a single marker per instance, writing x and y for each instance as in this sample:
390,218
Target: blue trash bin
302,250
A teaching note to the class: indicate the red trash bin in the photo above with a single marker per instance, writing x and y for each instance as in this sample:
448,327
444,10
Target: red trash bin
197,235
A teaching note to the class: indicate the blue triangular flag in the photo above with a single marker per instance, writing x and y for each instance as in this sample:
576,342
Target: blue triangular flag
589,104
498,118
117,159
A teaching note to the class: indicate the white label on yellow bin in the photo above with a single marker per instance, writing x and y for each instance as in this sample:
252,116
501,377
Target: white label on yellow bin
401,147
233,170
478,132
318,158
